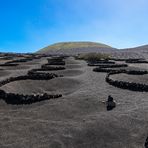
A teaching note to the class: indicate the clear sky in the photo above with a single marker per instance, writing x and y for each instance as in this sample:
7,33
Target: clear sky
28,25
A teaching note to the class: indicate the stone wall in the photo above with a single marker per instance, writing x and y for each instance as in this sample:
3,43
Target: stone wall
9,64
110,69
112,65
48,67
18,99
56,61
97,63
136,61
127,85
34,74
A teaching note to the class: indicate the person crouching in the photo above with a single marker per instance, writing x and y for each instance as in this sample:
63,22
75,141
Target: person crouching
110,104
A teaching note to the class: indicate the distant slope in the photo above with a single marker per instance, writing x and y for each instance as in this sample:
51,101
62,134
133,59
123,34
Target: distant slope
74,47
141,50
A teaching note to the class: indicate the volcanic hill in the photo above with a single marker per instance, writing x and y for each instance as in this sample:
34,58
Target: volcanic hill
76,48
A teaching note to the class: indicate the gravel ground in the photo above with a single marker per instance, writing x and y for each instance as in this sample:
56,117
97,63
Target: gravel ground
77,120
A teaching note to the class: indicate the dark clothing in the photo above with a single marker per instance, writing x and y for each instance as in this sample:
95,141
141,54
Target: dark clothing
110,98
110,104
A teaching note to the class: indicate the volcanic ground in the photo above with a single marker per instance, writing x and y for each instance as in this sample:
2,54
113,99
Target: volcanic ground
79,118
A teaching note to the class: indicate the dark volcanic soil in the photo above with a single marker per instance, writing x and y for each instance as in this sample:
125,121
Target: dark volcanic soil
77,120
131,78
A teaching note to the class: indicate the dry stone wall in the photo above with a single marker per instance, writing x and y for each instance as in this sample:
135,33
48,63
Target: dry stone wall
34,74
110,69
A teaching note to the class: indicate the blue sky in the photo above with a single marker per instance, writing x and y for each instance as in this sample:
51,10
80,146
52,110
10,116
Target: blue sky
28,25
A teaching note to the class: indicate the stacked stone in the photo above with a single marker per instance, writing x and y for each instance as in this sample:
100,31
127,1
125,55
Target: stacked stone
9,64
112,65
136,72
42,76
108,70
48,67
118,59
126,85
34,74
97,63
18,99
19,60
136,61
15,62
109,67
56,61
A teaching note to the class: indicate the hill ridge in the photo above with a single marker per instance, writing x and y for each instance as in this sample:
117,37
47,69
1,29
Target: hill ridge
72,45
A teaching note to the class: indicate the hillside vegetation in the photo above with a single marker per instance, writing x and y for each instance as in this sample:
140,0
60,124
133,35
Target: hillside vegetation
93,57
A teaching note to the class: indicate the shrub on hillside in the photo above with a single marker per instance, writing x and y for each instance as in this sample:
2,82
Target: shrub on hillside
92,57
